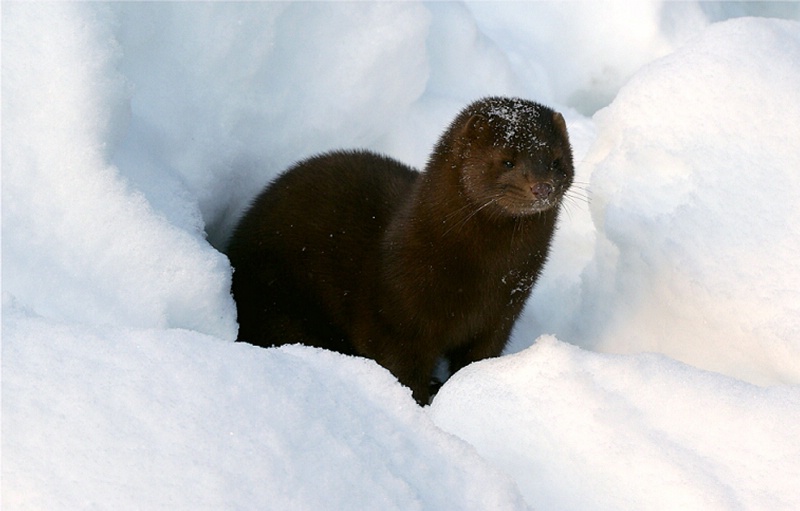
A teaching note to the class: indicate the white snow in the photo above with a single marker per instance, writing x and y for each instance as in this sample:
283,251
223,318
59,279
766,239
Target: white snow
578,430
695,189
133,135
106,418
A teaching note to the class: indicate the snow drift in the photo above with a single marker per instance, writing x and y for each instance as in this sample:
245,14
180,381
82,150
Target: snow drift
579,430
79,243
694,190
165,419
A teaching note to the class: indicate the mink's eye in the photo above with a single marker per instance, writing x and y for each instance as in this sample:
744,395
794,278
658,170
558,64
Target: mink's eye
508,164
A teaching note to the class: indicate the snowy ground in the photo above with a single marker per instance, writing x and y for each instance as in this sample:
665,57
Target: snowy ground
656,367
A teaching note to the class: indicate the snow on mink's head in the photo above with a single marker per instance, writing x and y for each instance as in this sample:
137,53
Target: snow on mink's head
512,155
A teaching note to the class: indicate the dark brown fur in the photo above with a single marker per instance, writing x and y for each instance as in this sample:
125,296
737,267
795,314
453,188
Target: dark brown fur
358,253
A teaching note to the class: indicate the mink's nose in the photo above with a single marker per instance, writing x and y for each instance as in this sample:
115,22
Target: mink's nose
542,191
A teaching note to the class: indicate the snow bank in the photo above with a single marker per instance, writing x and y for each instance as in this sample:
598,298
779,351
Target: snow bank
580,430
79,244
564,55
694,197
228,95
108,418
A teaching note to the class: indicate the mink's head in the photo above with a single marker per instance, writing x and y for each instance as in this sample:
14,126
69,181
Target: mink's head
513,156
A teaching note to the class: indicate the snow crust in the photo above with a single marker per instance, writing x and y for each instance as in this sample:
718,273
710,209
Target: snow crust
133,135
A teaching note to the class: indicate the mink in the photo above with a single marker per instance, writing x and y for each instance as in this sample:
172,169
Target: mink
356,252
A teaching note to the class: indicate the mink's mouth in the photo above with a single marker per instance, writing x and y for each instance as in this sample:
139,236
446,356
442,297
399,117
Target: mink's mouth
537,199
533,207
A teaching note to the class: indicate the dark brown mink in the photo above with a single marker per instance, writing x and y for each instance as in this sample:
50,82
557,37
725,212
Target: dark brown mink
358,253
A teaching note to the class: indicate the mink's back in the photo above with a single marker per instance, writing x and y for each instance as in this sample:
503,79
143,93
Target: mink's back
307,244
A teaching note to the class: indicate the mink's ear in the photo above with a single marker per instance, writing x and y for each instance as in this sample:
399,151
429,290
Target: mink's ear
476,127
560,124
476,131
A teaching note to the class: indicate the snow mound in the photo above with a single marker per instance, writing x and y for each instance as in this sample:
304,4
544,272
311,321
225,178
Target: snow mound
227,95
694,197
79,244
167,419
580,430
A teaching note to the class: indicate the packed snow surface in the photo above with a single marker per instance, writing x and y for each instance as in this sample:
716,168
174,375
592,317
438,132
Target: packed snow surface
657,365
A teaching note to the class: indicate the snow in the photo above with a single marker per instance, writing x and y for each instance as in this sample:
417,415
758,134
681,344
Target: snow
158,419
79,242
695,189
133,135
637,432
